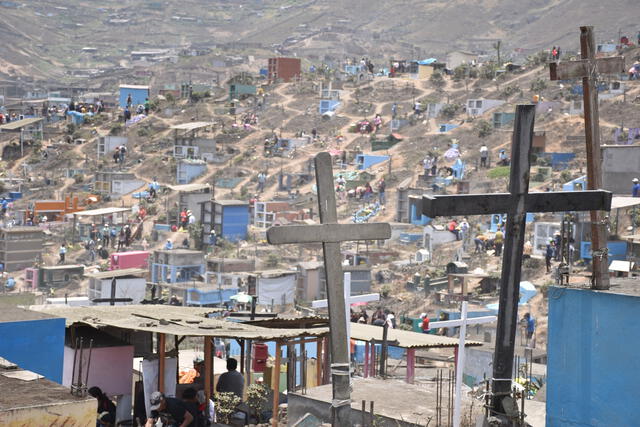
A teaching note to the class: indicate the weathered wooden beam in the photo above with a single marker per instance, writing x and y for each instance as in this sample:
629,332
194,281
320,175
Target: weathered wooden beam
328,233
484,204
580,68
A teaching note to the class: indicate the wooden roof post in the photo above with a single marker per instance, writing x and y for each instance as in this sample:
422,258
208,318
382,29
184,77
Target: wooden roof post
208,366
275,384
161,361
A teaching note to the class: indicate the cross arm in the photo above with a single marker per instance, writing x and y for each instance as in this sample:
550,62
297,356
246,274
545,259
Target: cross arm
327,233
483,204
321,303
580,68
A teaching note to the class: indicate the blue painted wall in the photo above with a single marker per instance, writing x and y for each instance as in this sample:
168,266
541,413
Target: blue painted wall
138,96
365,161
235,221
35,345
592,348
617,250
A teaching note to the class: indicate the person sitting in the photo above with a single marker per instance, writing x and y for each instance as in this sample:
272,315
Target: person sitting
232,380
105,405
172,411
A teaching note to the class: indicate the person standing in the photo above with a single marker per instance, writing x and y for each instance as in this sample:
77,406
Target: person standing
548,255
530,324
484,155
425,323
635,189
382,186
262,179
498,241
394,110
62,253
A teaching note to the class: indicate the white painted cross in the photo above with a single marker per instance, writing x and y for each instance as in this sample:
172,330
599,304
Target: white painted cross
322,303
462,323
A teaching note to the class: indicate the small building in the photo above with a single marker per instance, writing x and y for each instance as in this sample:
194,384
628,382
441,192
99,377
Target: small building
127,260
620,165
190,197
457,58
446,127
241,91
139,94
599,353
116,182
284,69
116,217
310,283
266,214
188,142
277,287
107,144
176,265
365,161
559,161
54,210
34,341
539,143
502,119
229,218
328,105
477,107
20,247
230,265
578,184
189,169
128,283
59,276
30,400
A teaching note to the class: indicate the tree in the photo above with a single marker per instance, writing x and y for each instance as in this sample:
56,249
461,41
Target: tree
483,128
449,111
497,45
436,80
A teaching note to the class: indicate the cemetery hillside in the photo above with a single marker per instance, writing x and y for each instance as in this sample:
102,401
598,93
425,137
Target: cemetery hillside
308,213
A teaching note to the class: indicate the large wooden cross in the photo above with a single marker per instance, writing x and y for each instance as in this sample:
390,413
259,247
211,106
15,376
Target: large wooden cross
588,68
515,204
330,234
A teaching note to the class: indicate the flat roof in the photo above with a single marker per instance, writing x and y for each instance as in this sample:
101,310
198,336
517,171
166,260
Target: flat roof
405,339
618,202
10,313
101,211
191,125
21,123
230,202
62,267
172,320
117,273
189,187
134,87
24,229
22,388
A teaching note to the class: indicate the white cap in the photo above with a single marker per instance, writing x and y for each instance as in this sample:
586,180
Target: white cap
635,179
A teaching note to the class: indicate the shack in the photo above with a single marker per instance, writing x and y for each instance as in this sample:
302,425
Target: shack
20,247
126,284
139,94
189,142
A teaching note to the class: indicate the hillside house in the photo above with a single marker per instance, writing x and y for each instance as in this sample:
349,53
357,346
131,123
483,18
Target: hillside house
365,161
116,182
620,164
189,144
229,218
190,196
503,119
477,107
457,58
177,266
20,247
108,144
284,69
59,276
55,210
266,214
82,221
241,91
311,282
139,94
125,283
189,169
128,260
272,287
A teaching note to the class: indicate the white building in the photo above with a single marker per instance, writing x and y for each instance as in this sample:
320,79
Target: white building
129,283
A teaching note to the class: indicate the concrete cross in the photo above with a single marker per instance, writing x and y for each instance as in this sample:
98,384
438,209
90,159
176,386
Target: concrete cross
462,324
515,204
330,234
353,299
588,69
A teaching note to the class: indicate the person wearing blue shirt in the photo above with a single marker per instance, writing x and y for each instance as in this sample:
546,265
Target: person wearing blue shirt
530,325
635,190
169,245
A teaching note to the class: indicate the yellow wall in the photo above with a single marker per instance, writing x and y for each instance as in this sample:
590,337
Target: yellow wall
424,71
81,413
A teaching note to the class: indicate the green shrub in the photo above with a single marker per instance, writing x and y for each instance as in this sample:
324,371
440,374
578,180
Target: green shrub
499,172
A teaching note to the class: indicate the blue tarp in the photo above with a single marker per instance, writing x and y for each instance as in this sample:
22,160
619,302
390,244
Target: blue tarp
427,61
527,291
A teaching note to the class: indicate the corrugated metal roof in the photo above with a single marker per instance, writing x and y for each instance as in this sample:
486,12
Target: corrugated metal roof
618,202
117,273
20,123
405,339
173,320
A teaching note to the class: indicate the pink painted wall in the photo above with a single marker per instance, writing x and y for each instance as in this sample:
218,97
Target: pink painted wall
111,369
